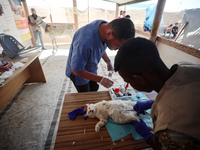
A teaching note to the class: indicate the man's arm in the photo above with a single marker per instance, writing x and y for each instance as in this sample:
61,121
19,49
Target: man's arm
173,30
30,23
109,64
105,81
87,75
105,57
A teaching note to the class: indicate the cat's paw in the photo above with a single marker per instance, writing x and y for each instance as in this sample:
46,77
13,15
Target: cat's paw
97,129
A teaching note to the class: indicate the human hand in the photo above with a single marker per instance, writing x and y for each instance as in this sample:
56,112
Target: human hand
106,82
142,129
141,106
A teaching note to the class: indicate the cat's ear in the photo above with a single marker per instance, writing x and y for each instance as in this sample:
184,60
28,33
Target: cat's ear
87,105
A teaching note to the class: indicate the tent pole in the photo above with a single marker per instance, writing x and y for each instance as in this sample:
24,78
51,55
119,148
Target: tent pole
117,10
157,19
75,14
30,28
180,31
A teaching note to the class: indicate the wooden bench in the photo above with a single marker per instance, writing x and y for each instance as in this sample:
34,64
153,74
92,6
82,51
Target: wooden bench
71,134
31,72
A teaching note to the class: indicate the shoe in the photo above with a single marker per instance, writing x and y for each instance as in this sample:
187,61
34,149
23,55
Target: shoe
43,48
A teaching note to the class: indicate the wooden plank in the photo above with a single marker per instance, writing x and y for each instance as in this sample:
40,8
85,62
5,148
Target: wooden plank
31,72
12,86
157,19
37,74
75,14
73,131
30,28
184,48
116,11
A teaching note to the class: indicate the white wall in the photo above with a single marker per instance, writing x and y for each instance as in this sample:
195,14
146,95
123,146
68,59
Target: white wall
171,55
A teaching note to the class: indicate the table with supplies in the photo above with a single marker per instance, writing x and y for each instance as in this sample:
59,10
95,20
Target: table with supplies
80,134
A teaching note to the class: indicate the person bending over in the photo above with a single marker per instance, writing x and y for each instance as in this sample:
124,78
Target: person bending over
88,47
176,108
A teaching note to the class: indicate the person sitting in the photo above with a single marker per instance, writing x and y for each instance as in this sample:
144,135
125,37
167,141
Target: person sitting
128,16
176,108
124,14
168,30
120,14
175,30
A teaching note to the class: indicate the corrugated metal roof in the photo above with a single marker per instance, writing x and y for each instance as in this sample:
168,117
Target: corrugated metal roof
126,2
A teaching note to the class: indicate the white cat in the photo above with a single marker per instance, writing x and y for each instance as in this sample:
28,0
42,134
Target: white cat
118,110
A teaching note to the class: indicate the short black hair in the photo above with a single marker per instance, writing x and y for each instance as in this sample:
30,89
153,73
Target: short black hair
136,55
128,16
123,28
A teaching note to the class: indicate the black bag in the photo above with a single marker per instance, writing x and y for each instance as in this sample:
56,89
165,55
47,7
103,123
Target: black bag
11,47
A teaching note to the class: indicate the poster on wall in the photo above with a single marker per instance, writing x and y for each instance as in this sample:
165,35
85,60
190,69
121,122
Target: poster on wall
13,20
20,19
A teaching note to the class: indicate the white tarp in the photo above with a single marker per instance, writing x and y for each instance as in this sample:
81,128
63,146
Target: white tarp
190,36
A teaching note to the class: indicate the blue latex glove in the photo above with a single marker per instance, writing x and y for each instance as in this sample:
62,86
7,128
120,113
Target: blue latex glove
72,114
141,106
142,129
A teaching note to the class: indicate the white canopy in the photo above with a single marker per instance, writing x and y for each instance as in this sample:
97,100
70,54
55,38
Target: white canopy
190,35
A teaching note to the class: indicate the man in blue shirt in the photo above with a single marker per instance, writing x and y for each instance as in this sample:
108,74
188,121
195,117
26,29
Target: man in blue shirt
88,47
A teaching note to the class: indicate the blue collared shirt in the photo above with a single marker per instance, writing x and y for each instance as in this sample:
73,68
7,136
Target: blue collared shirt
86,51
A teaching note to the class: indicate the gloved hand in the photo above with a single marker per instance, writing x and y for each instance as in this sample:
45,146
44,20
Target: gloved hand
110,68
140,106
142,129
106,82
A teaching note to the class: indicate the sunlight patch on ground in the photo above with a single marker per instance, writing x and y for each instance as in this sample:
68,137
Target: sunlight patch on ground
62,52
46,53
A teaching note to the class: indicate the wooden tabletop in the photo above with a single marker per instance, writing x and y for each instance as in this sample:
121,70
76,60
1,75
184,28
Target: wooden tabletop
31,72
71,133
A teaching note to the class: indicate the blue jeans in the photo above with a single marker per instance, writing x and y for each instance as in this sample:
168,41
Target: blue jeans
167,32
36,34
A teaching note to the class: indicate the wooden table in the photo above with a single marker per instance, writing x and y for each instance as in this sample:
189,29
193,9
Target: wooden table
31,72
73,131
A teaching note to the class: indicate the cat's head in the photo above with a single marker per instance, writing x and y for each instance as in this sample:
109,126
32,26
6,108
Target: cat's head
90,110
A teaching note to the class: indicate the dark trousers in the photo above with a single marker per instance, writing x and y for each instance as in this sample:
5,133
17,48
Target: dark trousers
174,33
90,86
